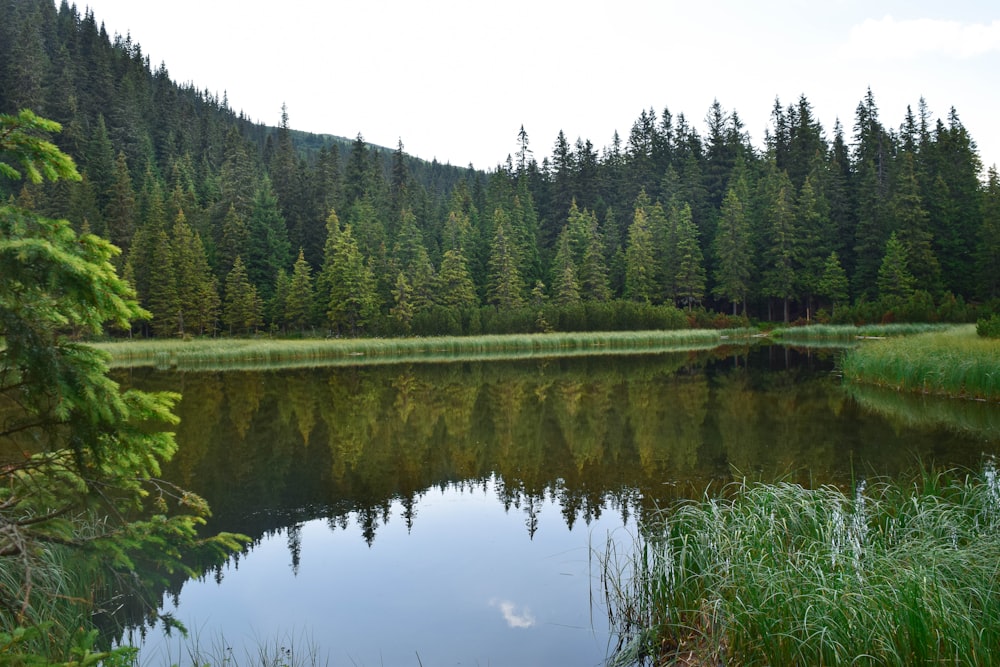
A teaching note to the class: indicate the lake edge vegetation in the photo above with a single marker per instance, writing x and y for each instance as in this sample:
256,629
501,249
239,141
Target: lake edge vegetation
890,573
954,362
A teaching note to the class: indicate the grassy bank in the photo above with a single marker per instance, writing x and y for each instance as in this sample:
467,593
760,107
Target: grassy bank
849,332
257,353
777,574
955,362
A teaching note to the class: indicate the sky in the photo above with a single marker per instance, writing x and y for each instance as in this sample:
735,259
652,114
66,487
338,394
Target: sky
456,80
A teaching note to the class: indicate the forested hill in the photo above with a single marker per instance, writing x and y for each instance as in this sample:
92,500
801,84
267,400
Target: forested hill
229,225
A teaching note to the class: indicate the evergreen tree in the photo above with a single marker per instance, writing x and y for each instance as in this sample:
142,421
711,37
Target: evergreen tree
353,298
911,224
505,287
640,282
593,270
833,283
268,248
402,296
732,247
455,288
120,212
689,275
299,303
988,249
780,278
565,285
242,311
895,282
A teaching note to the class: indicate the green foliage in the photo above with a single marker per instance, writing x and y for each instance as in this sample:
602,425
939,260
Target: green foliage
80,457
956,363
768,574
22,137
989,327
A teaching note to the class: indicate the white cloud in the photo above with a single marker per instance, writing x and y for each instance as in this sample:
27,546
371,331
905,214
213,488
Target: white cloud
888,38
524,619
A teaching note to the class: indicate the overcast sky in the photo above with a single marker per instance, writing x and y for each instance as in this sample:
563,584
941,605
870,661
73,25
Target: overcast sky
456,80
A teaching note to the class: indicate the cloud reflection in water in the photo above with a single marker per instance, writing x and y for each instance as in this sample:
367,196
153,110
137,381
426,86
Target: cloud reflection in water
524,619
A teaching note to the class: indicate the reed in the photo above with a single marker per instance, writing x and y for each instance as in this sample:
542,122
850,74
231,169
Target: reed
849,332
778,574
256,353
955,362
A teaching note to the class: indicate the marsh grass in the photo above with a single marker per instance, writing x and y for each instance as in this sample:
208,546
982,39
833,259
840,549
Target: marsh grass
209,354
955,362
778,574
282,650
849,333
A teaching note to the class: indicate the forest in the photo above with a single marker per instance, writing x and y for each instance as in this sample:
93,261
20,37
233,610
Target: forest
228,226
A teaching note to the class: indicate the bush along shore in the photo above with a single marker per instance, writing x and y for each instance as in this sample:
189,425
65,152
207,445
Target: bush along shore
955,362
890,573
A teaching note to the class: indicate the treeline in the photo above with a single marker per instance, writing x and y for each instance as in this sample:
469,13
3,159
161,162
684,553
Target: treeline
226,225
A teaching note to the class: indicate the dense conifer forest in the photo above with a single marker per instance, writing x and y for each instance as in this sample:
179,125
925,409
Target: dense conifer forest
230,226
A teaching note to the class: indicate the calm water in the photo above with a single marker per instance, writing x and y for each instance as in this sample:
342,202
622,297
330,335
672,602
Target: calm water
449,514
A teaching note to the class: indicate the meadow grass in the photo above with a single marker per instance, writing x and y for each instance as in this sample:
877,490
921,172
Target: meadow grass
850,332
225,353
955,362
778,574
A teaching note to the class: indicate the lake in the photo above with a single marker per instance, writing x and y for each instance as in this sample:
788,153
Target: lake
455,513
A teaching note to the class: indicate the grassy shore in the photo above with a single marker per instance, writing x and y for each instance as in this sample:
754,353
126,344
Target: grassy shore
848,332
263,352
955,362
777,574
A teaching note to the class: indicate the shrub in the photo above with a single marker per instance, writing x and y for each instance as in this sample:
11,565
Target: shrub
989,327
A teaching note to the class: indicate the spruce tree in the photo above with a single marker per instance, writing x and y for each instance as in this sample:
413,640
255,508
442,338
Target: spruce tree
299,304
506,287
640,282
455,288
690,270
353,301
733,249
242,310
895,282
833,283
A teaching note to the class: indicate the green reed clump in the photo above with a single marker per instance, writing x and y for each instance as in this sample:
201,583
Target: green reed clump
216,353
778,574
955,362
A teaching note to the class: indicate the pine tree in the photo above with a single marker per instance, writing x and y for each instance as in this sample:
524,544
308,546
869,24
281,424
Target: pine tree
455,288
912,226
988,249
353,297
732,247
120,212
780,278
505,288
833,283
242,311
565,285
895,282
640,280
690,271
299,304
593,269
268,248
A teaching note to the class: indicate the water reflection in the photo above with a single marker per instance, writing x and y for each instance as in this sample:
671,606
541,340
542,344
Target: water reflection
280,453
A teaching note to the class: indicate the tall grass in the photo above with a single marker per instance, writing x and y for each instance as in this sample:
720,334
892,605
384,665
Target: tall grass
232,353
955,362
850,332
777,574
